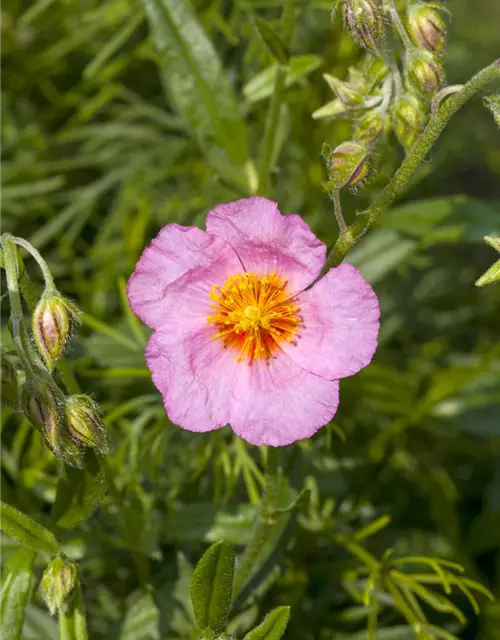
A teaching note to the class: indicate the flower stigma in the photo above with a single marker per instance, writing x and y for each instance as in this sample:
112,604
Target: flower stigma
253,314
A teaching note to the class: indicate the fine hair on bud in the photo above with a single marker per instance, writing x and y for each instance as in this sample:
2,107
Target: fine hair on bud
426,27
44,408
371,127
364,21
425,72
348,164
408,117
57,584
52,320
84,422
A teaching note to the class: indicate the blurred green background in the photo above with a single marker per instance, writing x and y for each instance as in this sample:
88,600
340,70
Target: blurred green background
96,158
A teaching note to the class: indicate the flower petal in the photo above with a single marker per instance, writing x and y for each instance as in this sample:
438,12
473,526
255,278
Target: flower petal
275,402
173,252
267,241
194,375
339,334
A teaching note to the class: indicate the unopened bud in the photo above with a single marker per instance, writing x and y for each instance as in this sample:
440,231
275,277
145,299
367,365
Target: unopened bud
408,119
348,165
371,127
57,583
43,409
364,21
426,27
10,385
84,422
345,93
426,73
52,322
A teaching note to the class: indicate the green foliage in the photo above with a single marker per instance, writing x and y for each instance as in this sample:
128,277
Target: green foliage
212,586
119,118
273,627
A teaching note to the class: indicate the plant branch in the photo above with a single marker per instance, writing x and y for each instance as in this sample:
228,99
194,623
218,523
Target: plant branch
264,520
413,160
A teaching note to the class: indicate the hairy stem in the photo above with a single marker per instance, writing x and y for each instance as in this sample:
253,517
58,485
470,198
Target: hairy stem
413,160
264,520
19,334
269,140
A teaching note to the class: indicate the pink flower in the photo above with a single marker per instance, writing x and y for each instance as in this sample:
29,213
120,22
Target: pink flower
239,339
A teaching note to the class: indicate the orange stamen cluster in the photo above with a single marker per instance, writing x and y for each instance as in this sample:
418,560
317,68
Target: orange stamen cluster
253,314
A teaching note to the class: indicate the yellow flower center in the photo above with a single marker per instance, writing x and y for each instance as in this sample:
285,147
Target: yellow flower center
253,314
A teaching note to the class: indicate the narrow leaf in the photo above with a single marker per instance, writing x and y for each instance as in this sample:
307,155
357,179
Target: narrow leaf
194,79
17,581
272,41
79,492
273,627
25,530
212,585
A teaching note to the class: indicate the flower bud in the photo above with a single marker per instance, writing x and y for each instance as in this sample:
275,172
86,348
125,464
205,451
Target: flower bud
51,323
426,27
425,73
348,165
84,422
10,385
345,93
57,583
43,409
408,119
371,127
364,21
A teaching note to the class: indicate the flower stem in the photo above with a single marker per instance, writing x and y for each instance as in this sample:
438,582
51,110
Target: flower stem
398,25
413,160
269,140
264,520
338,211
49,280
19,335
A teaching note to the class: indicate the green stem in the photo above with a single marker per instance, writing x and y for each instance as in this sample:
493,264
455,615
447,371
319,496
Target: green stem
19,334
413,160
337,206
398,25
49,280
264,520
269,140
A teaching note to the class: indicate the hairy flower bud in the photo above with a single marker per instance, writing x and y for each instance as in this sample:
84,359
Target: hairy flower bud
10,385
51,323
348,165
371,127
408,119
425,73
345,93
43,409
426,27
364,21
84,422
57,583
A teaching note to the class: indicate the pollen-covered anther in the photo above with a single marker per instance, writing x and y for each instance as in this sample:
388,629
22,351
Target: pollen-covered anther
253,314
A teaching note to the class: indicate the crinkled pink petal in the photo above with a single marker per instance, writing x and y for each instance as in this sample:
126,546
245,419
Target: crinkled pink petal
340,325
275,402
173,252
267,241
193,374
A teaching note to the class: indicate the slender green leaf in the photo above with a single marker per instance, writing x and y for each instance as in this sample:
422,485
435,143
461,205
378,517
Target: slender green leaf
273,627
272,41
27,531
79,492
17,581
194,79
212,585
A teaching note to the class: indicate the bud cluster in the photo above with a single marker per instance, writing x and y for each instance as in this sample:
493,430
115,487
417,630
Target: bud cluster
380,96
